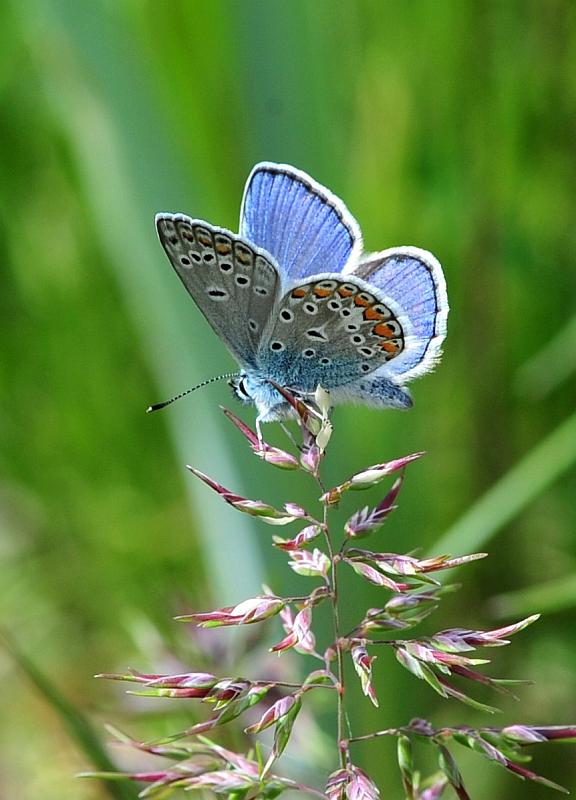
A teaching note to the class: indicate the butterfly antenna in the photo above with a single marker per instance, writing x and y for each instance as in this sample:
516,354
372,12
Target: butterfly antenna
158,406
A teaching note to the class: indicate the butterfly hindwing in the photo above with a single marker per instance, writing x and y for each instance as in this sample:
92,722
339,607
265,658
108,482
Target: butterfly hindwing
306,228
373,390
413,280
234,284
330,331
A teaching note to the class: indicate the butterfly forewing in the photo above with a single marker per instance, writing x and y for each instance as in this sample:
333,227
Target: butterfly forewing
306,228
234,284
331,331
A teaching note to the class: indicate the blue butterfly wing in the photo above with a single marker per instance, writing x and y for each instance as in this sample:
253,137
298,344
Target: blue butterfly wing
306,228
414,286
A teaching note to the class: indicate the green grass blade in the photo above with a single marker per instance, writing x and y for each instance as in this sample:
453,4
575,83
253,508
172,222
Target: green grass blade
125,163
77,725
549,597
544,464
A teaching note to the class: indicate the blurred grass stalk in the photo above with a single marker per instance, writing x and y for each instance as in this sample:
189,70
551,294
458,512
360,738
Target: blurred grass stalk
552,596
550,366
509,496
77,724
77,44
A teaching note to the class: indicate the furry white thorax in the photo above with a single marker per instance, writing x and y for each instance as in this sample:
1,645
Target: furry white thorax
270,404
376,391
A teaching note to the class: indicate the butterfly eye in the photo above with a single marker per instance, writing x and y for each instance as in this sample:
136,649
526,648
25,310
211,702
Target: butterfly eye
208,257
310,308
334,305
277,346
353,326
242,280
365,367
309,353
225,266
196,257
357,339
253,325
286,315
368,352
185,261
241,389
325,361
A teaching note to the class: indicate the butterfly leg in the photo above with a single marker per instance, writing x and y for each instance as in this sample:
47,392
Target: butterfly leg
289,434
259,420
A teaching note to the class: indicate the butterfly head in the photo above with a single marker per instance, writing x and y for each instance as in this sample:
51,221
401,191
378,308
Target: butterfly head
239,387
251,388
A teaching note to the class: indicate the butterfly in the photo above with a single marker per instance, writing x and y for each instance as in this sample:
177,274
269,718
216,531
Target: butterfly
297,302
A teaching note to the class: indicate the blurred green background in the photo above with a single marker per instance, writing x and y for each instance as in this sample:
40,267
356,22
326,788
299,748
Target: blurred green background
451,126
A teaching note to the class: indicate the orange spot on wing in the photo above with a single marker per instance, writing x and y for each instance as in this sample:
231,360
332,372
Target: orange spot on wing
371,313
390,347
223,249
383,330
299,293
343,291
320,292
204,240
361,301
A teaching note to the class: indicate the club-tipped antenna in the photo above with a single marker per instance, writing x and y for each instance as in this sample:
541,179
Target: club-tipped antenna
158,406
